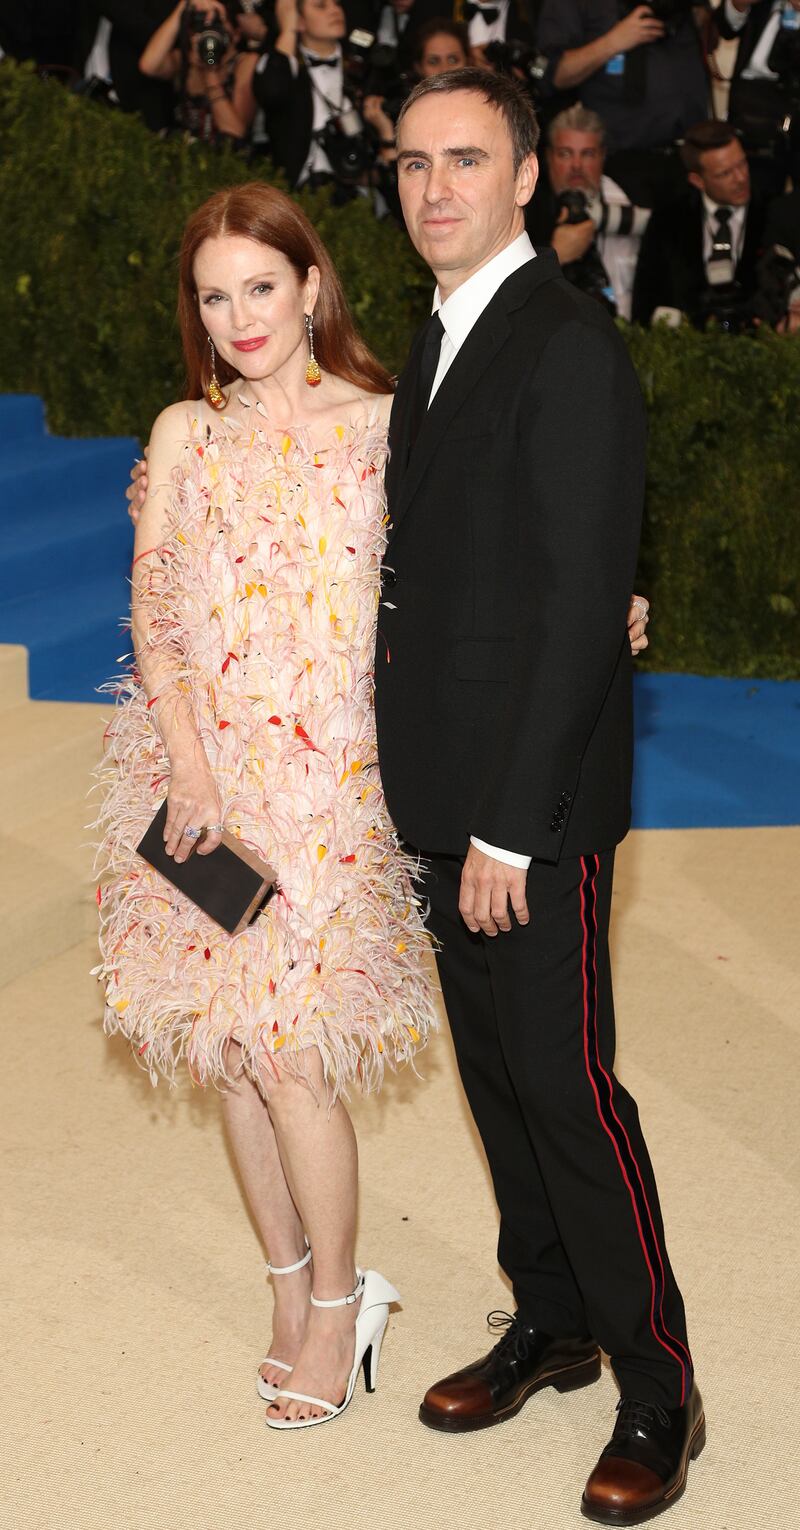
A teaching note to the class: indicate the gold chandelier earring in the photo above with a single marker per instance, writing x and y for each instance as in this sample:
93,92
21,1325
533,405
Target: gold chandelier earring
214,390
313,373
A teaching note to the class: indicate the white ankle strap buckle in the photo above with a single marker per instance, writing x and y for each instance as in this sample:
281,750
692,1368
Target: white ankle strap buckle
289,1269
342,1301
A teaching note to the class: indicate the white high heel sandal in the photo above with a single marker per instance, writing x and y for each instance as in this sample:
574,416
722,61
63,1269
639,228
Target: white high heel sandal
376,1294
267,1389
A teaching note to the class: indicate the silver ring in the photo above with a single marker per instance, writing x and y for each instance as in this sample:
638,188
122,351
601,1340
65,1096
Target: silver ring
214,828
190,833
639,605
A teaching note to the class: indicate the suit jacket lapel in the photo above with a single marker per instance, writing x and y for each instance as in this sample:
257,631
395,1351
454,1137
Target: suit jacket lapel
485,339
400,421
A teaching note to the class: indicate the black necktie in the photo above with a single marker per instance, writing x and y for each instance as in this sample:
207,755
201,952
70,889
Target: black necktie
428,363
720,261
489,13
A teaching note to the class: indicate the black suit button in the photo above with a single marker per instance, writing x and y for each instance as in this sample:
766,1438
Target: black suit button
388,578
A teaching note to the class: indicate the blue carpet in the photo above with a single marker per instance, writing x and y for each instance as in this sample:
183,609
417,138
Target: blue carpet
710,753
65,551
716,753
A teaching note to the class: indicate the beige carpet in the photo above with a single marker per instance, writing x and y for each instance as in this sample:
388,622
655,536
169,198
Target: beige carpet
136,1298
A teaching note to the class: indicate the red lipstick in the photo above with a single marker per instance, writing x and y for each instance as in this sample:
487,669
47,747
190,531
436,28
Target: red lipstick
250,345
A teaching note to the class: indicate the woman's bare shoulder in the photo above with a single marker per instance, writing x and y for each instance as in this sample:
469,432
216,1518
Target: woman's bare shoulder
174,423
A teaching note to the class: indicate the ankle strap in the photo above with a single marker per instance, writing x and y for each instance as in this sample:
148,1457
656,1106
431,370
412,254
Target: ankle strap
289,1269
343,1301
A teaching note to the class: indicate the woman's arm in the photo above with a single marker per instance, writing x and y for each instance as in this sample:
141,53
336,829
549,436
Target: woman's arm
233,114
193,796
160,60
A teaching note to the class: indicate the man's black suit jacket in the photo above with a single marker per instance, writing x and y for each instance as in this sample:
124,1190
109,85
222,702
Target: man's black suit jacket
671,272
752,102
749,35
133,23
503,669
288,104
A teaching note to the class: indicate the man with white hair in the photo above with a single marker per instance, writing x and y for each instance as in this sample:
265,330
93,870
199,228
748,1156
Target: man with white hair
604,242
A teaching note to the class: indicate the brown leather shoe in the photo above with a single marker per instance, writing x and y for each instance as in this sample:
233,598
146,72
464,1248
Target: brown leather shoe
495,1388
643,1469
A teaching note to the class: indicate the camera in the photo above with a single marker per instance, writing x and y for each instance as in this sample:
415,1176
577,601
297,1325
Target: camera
210,32
506,57
671,12
778,280
346,145
588,274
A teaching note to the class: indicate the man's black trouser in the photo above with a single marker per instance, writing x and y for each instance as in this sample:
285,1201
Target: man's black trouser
532,1017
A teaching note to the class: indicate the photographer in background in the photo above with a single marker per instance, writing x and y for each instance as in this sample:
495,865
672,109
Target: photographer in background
642,71
439,45
109,42
764,101
494,21
778,298
584,215
699,256
396,23
307,93
200,49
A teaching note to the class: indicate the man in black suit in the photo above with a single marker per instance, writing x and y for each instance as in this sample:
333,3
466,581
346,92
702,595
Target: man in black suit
132,24
703,249
503,701
761,95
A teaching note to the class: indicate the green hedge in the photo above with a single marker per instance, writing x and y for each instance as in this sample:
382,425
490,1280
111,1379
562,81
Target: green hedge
92,207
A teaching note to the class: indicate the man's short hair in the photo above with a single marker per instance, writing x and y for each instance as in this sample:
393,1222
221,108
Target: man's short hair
701,139
577,119
508,96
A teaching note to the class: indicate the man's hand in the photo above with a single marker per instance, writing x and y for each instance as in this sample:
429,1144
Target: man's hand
136,492
638,617
638,27
571,240
487,888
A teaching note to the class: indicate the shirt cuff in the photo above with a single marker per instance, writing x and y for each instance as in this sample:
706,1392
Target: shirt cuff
508,857
735,19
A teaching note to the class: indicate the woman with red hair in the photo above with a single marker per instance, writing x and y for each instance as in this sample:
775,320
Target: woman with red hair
255,602
255,590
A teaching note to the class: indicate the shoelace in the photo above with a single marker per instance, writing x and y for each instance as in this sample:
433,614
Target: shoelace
514,1340
636,1417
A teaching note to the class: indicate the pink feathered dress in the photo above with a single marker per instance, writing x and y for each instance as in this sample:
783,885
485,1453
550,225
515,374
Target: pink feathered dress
265,598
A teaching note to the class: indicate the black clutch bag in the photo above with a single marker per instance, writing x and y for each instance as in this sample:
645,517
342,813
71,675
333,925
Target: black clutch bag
231,885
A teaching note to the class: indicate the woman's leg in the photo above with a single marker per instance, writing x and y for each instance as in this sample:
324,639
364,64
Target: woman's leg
317,1147
252,1138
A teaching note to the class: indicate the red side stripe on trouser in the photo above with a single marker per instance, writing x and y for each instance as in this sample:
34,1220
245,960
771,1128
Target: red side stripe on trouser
614,1128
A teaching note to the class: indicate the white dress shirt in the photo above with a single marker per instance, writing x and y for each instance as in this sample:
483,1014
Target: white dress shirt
98,63
391,26
482,32
459,313
758,68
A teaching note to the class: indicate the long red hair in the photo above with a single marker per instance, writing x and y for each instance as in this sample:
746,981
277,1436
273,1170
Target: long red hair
267,216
